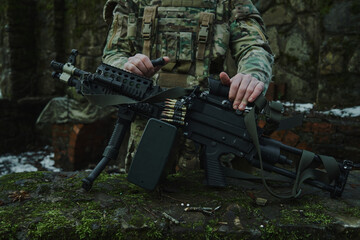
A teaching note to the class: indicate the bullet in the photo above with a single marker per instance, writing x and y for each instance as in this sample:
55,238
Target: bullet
173,117
171,111
172,121
175,106
167,114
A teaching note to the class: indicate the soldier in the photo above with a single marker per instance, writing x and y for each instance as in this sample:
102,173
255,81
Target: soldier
196,38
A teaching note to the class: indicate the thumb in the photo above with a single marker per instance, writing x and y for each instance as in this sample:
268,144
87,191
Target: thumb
166,59
225,79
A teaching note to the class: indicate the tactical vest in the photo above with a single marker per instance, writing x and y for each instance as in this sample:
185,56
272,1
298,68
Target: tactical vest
195,35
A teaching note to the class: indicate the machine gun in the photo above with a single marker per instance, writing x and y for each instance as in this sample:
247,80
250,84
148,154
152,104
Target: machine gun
206,117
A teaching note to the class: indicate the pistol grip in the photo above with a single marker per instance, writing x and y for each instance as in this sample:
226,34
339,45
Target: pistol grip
214,170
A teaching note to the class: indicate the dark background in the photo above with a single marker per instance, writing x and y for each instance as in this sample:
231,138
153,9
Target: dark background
315,43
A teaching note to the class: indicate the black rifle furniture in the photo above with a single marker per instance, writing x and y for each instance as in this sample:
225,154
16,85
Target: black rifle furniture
207,118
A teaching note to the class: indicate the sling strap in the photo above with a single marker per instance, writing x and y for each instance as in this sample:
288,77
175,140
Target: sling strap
304,171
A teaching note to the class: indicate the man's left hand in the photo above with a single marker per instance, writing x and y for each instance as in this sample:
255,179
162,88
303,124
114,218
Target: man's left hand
244,88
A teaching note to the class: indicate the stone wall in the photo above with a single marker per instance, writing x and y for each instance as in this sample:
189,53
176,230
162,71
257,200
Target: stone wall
316,47
32,34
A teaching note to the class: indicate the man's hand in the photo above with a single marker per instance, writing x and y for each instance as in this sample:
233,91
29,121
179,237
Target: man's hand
140,64
243,89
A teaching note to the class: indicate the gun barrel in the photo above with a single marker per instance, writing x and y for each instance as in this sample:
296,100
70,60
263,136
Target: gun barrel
58,67
61,67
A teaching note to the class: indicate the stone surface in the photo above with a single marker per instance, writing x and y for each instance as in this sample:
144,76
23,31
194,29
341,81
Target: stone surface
54,206
263,5
278,15
343,17
354,63
273,40
297,88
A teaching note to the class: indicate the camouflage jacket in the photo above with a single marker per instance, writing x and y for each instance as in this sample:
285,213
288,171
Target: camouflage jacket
201,37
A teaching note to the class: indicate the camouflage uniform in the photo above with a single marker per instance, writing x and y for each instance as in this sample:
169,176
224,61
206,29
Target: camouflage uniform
201,37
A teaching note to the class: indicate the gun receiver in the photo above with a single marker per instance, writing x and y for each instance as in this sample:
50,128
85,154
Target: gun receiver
206,117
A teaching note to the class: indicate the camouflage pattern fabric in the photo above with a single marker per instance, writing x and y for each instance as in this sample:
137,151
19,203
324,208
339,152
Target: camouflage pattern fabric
235,43
238,31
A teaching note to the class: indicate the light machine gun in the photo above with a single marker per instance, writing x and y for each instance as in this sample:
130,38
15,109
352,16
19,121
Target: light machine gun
206,117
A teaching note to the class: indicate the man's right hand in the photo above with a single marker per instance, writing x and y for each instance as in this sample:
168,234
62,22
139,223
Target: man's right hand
140,64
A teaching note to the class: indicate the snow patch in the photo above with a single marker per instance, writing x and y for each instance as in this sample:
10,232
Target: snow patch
28,162
307,107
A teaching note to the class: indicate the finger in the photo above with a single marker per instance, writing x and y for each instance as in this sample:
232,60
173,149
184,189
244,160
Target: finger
139,62
148,67
259,88
225,79
249,90
241,91
128,66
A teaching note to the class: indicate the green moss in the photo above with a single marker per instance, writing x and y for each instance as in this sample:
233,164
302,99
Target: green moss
7,229
272,231
90,221
53,223
306,211
21,181
352,212
65,212
154,232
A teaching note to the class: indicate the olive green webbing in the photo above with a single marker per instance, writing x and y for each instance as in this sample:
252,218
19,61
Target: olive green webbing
303,172
250,123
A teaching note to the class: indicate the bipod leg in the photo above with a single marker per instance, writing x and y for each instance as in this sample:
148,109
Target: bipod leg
111,152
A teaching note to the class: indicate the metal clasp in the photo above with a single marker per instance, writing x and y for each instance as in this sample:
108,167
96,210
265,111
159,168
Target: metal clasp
203,34
147,30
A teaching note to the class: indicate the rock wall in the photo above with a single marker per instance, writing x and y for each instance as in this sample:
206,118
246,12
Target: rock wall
32,33
316,47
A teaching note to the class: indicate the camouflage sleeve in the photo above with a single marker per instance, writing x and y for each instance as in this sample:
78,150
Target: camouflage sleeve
118,46
248,42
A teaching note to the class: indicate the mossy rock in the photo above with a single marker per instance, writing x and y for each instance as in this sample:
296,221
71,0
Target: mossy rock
53,205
